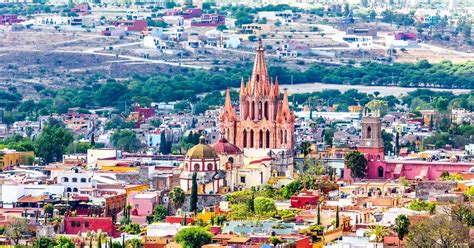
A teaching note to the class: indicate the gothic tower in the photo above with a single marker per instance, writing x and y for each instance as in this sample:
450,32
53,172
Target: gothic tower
265,121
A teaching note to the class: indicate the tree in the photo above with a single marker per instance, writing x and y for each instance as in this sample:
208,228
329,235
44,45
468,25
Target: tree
52,143
200,108
177,197
16,229
357,163
193,237
377,233
440,231
159,213
290,189
125,140
251,202
318,217
264,206
305,148
64,242
44,242
402,223
372,15
221,27
337,217
194,194
378,106
134,243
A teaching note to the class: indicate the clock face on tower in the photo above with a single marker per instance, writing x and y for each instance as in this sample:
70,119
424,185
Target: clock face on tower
368,143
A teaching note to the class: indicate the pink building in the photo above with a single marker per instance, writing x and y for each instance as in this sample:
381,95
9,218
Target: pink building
143,203
81,9
371,145
133,25
8,19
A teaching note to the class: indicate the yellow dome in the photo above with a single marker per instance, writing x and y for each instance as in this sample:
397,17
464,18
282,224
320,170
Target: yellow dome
201,151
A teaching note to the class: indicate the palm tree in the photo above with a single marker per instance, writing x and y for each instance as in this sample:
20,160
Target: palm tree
379,232
177,197
402,223
305,148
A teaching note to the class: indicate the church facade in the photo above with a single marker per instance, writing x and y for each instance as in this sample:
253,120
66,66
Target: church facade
264,126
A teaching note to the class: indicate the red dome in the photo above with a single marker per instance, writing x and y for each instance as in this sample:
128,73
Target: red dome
224,147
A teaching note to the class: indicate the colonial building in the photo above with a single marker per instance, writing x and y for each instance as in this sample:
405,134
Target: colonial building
379,167
204,161
264,127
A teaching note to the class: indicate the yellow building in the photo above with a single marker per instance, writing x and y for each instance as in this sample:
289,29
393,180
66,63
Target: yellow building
355,108
10,157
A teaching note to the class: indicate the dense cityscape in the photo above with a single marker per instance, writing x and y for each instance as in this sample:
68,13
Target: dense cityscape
236,123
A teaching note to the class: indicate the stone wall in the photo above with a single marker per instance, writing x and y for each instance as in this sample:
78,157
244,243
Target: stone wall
204,201
426,189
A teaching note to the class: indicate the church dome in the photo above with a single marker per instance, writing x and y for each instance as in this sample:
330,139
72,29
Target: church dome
201,151
224,147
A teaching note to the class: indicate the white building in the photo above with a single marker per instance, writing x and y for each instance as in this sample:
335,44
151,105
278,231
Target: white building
73,180
52,20
355,42
11,192
95,154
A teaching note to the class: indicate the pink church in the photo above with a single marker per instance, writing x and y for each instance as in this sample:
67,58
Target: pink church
371,145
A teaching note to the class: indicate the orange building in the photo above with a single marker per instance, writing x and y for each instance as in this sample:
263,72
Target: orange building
265,121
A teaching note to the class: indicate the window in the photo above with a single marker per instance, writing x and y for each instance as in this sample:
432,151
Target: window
137,206
74,180
209,166
73,223
68,189
86,224
83,180
242,179
369,133
74,190
196,167
78,224
65,179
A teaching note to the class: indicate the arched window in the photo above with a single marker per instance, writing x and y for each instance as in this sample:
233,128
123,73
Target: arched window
251,139
258,78
378,157
281,137
369,133
65,179
260,139
209,167
286,137
252,111
260,109
267,139
231,160
68,189
74,190
247,109
265,110
74,180
83,180
196,167
380,171
244,139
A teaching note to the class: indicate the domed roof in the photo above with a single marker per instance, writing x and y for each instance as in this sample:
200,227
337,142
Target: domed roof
224,147
201,151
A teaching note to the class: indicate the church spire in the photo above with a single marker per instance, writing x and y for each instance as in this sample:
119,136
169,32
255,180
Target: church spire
228,111
259,78
242,87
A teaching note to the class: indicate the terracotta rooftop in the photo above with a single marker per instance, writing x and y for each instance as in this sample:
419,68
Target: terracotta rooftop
32,199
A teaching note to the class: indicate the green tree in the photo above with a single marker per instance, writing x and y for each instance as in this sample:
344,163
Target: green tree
337,217
357,163
159,213
378,232
134,243
194,194
177,197
221,27
193,237
44,242
52,142
125,140
401,227
290,189
251,202
64,242
440,231
377,106
264,206
305,148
